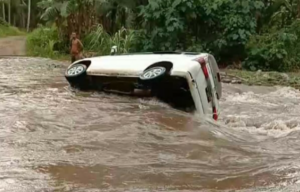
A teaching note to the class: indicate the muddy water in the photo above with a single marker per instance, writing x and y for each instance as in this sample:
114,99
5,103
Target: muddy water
56,139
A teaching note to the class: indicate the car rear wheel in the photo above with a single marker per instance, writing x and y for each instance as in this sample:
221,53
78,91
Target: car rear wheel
77,77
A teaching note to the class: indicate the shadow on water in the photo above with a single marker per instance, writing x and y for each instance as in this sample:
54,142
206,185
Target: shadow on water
56,140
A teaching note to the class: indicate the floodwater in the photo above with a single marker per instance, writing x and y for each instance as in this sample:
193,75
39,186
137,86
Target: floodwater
55,139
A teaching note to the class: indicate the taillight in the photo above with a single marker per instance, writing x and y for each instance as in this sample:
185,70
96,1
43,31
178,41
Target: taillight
203,66
204,69
215,115
219,77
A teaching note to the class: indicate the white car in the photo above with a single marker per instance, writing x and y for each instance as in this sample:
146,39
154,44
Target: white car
184,80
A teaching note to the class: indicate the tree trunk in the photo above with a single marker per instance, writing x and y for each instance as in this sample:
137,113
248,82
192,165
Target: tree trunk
28,17
9,11
298,9
124,17
3,11
113,21
23,20
14,20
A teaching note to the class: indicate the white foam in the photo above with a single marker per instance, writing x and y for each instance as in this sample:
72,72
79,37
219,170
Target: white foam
287,92
274,114
239,98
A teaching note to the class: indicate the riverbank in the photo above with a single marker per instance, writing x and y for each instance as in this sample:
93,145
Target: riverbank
8,31
15,45
235,76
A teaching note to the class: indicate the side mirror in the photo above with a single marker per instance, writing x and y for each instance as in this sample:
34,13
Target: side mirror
114,50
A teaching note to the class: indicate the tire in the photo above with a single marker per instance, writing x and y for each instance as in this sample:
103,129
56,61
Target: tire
77,77
152,78
153,74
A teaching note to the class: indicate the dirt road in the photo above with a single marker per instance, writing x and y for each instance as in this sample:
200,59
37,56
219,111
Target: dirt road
13,46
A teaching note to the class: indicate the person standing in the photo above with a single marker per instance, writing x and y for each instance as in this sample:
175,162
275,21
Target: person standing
76,48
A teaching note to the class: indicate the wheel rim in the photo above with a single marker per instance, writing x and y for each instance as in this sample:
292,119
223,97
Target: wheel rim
153,73
75,70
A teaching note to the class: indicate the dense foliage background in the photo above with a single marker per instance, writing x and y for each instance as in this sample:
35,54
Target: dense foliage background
254,34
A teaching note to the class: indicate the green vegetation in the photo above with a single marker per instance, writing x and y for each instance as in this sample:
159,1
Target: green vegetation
99,41
41,42
7,30
266,78
45,42
278,50
259,34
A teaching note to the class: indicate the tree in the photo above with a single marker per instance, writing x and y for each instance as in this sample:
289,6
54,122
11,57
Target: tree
28,17
3,11
82,15
9,11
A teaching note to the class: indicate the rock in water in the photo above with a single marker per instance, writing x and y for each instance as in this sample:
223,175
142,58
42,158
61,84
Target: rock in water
258,72
285,76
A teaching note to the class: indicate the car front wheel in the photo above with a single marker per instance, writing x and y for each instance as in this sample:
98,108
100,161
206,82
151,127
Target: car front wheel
76,76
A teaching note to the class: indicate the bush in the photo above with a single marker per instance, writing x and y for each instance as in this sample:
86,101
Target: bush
45,42
279,50
41,42
221,26
7,30
3,22
99,41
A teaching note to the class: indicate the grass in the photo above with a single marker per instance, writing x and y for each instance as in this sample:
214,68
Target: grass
6,31
46,42
40,43
266,78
